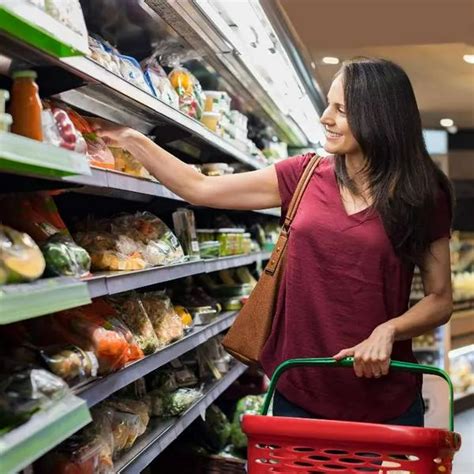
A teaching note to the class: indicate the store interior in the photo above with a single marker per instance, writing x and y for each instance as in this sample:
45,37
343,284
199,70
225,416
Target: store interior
115,293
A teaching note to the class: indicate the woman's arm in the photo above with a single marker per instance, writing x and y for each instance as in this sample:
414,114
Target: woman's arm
243,191
372,356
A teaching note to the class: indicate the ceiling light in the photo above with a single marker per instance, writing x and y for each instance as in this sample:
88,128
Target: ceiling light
446,122
453,130
330,60
469,58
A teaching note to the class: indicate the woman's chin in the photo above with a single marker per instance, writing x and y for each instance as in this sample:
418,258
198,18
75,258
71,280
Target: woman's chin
331,148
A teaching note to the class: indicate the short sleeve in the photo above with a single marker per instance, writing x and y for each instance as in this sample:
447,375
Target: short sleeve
289,172
440,223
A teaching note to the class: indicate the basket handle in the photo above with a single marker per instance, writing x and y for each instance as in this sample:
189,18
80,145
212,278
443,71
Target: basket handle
349,362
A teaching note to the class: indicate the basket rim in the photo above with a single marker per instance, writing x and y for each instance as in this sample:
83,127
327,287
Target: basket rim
300,429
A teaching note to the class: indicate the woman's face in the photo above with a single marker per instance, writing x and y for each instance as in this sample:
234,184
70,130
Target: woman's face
339,138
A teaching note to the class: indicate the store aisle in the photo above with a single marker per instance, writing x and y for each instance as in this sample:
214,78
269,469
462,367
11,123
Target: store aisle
464,425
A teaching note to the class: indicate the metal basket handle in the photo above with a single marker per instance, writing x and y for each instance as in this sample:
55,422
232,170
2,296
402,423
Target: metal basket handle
349,362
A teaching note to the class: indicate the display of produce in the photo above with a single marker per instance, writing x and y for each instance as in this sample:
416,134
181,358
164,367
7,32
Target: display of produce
20,258
249,405
25,105
129,242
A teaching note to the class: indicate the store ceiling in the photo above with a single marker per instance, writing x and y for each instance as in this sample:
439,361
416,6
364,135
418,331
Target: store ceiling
428,38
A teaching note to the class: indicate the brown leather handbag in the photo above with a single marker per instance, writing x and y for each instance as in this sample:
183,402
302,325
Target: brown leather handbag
249,333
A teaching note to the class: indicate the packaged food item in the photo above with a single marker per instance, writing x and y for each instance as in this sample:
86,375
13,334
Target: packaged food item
185,227
134,315
168,404
21,259
211,120
79,454
69,137
209,249
188,88
126,163
101,429
69,13
166,323
97,151
185,316
231,241
26,390
216,429
96,327
64,257
160,82
249,405
129,405
217,101
70,362
25,105
130,70
105,57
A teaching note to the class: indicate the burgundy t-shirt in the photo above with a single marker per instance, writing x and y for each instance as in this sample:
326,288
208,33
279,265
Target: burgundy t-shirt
342,279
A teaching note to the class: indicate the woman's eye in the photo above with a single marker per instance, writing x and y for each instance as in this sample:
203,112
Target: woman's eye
341,111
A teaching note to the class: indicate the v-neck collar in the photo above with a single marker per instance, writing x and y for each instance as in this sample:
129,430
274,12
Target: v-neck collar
347,221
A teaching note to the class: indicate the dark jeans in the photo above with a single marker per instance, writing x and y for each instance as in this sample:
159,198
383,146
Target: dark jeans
414,416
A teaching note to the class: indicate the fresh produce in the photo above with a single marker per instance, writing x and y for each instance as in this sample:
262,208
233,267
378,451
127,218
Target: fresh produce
64,257
167,404
134,315
25,391
249,405
20,258
188,88
216,429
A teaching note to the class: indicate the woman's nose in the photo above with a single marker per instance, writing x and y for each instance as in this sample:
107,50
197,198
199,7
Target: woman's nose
326,118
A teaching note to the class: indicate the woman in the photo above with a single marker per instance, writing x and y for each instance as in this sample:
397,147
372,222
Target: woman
372,211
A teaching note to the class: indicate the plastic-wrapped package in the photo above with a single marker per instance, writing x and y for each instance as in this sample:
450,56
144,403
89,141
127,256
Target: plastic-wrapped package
104,57
38,3
64,257
166,323
111,252
79,454
51,133
188,88
131,72
129,405
127,163
70,362
101,428
249,405
168,404
161,84
70,138
134,315
21,259
24,391
184,224
97,327
69,13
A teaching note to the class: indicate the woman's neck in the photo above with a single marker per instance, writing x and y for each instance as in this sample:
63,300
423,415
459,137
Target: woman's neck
355,163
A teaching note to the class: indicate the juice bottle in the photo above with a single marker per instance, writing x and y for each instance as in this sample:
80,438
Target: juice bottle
25,106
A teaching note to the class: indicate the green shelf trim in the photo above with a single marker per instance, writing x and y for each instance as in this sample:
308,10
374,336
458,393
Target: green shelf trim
25,156
30,300
45,430
25,30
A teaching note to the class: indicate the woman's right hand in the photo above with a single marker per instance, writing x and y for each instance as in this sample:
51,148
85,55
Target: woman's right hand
113,134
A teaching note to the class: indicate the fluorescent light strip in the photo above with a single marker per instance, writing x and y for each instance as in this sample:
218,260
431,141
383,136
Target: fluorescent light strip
461,351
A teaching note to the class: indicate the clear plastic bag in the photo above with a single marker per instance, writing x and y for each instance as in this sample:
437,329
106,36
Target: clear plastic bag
70,362
71,139
69,13
134,315
188,88
166,323
21,259
25,391
64,257
160,82
168,404
127,163
103,56
131,72
101,428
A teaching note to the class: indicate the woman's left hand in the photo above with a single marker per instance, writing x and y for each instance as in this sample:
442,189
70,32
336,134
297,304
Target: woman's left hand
372,356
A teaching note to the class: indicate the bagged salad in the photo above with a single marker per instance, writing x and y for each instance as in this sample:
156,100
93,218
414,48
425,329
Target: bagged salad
158,78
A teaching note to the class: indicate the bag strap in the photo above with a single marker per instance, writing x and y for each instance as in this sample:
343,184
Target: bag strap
300,189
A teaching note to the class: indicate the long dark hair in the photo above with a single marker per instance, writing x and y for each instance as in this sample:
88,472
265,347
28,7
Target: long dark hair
403,180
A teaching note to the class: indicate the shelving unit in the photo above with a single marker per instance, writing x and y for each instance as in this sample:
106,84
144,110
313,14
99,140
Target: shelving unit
160,435
29,300
42,432
110,283
100,389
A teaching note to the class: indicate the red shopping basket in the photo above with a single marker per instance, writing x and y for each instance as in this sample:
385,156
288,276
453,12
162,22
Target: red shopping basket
300,445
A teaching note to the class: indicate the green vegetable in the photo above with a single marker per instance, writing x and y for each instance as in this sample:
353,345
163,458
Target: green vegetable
173,404
64,257
217,429
249,405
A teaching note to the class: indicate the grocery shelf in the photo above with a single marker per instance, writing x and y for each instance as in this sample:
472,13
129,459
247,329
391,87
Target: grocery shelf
109,283
30,24
42,432
29,300
161,434
113,98
464,401
25,156
100,389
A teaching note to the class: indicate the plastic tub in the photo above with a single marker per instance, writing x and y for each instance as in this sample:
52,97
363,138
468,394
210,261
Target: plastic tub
211,120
